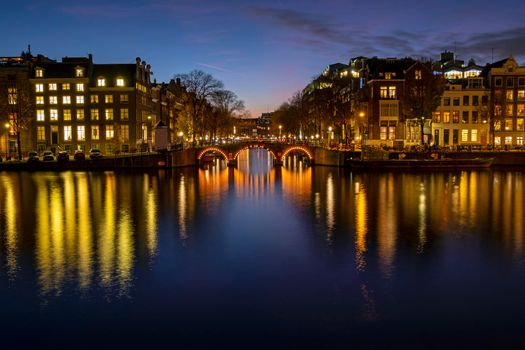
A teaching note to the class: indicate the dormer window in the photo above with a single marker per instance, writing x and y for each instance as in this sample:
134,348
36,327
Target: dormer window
388,76
120,81
39,73
101,82
79,72
418,75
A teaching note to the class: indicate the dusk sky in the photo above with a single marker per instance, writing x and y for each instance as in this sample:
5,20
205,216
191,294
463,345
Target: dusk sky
264,51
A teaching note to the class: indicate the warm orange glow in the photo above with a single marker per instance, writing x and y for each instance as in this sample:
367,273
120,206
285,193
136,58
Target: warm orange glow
212,149
297,148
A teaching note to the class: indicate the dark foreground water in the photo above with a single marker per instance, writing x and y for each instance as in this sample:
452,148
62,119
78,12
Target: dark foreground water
257,257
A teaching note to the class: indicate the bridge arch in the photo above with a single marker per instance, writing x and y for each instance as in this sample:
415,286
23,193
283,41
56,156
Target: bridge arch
212,149
303,149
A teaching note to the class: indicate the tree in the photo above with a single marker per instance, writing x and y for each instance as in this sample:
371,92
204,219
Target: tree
17,104
226,105
199,87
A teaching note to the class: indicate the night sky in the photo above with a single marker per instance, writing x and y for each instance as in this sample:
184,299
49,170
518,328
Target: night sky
262,50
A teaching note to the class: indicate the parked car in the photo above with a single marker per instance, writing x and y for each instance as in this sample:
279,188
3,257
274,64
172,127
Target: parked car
63,156
79,155
95,153
48,156
32,156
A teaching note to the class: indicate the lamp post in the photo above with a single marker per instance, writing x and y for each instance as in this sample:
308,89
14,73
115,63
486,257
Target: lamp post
280,128
329,135
362,116
6,125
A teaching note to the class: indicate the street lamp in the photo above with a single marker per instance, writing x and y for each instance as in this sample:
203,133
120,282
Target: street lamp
329,135
6,138
280,128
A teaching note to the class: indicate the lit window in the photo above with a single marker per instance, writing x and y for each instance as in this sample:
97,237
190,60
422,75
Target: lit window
109,113
508,124
101,82
52,87
80,100
455,117
464,135
510,95
110,132
124,99
124,114
65,86
437,117
392,92
521,109
67,133
79,72
12,96
53,100
67,114
94,132
497,125
53,115
40,115
41,133
383,91
120,82
80,114
510,109
80,87
519,140
94,114
474,135
508,140
94,98
388,76
446,117
497,140
521,95
40,100
519,124
39,73
418,75
124,132
39,87
81,133
108,98
66,100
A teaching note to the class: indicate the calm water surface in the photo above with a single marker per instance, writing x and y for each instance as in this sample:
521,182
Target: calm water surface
262,257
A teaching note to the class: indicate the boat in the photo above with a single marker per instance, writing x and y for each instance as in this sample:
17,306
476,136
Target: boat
444,163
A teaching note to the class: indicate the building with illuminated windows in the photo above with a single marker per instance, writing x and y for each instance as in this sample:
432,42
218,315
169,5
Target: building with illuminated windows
80,105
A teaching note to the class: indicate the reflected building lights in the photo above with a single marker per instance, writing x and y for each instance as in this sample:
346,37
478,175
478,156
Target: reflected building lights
422,209
85,233
361,226
386,224
11,232
330,207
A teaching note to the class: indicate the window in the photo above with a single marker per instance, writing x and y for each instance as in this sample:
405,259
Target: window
510,95
509,110
67,114
67,133
53,115
388,76
39,73
40,115
387,109
80,114
464,135
124,132
94,132
392,92
474,135
446,101
94,99
464,117
475,117
466,100
39,87
383,133
79,72
108,98
510,82
124,99
455,102
81,133
101,82
498,82
12,96
80,100
66,100
41,133
519,140
40,100
80,87
508,140
120,82
521,81
455,117
446,117
52,87
508,124
109,114
94,114
437,117
520,110
519,124
484,100
110,132
497,125
53,100
475,100
497,140
383,91
418,75
65,86
124,114
521,95
497,110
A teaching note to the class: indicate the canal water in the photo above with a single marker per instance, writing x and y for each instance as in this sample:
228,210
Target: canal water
262,257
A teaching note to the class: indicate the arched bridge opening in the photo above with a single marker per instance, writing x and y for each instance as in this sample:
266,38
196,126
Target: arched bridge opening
304,153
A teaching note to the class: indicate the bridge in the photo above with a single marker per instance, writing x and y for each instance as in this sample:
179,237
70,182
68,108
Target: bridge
277,150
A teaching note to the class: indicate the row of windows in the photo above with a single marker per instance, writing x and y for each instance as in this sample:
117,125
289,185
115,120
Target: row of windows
388,92
446,117
101,81
54,87
465,101
508,125
80,135
79,99
508,140
510,110
79,72
509,81
67,114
